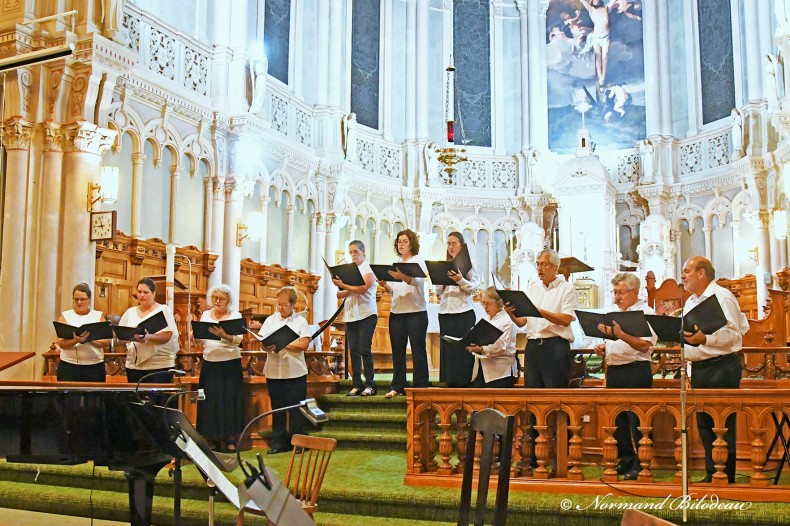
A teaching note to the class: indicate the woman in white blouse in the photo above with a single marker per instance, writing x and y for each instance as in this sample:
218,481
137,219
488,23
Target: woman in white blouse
495,364
286,371
80,360
150,353
220,417
456,318
408,316
360,315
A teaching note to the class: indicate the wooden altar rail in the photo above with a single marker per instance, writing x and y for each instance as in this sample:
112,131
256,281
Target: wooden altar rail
437,430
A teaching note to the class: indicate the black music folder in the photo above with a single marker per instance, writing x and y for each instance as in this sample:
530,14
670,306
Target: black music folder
484,333
100,330
281,338
200,329
522,303
410,269
348,273
438,270
154,324
632,322
708,316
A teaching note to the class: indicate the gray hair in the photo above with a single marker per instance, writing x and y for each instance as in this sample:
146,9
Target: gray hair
224,289
554,258
290,292
490,293
631,280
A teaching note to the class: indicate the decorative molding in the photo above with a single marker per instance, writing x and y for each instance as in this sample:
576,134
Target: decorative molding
87,137
16,134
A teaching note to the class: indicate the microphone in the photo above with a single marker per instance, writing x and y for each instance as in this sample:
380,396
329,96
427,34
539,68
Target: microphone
172,372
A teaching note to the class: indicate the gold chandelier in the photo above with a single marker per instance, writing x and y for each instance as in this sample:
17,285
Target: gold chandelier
451,154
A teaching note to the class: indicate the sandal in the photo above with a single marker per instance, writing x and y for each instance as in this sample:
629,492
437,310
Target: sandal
393,394
355,391
369,391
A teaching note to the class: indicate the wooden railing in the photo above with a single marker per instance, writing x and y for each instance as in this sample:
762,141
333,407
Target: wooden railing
584,420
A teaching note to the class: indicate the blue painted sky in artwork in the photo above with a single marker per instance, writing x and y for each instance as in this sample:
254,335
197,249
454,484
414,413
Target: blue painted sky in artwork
571,77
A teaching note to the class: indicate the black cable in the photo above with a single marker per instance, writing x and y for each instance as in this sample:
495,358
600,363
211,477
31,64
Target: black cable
90,494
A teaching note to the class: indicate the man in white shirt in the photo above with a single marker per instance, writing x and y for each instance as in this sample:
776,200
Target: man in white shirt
715,361
628,366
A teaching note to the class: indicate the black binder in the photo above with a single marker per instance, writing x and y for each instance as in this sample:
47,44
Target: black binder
200,329
522,303
410,269
632,322
438,270
100,330
154,324
281,338
481,334
708,316
348,273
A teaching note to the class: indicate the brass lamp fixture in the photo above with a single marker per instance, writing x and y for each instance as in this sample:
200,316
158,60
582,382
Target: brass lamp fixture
451,154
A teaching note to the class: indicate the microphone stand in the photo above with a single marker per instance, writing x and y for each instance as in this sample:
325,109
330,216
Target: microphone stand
684,468
175,372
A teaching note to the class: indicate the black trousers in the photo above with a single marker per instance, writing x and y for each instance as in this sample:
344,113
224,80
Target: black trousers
722,372
284,392
479,381
359,335
456,363
547,362
71,372
411,327
630,375
135,375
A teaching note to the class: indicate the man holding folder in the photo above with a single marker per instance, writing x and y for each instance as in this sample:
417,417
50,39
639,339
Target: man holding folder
715,362
628,366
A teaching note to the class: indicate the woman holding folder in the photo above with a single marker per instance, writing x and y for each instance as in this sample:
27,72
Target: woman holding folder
456,318
286,371
408,316
81,360
360,314
149,353
220,417
495,364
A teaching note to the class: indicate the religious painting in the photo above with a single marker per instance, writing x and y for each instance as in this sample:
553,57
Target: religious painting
595,73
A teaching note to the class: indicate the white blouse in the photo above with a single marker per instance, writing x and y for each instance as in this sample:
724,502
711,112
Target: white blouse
498,359
148,355
82,353
286,363
409,298
360,306
221,350
458,298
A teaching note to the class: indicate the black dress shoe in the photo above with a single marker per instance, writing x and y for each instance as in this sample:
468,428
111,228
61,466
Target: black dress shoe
631,475
620,468
707,479
277,450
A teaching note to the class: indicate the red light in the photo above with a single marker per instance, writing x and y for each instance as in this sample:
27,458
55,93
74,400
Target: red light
450,131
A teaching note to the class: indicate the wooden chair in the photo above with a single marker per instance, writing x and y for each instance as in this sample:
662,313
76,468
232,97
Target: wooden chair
633,517
490,424
309,460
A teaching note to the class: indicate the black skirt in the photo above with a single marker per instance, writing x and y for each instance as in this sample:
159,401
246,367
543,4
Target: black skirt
221,414
71,372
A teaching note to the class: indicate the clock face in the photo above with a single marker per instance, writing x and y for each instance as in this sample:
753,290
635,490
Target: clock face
102,225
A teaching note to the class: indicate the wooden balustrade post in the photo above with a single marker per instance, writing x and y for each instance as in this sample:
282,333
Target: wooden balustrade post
445,449
524,446
719,457
542,452
575,454
609,454
478,454
460,438
678,456
758,478
432,442
645,453
417,443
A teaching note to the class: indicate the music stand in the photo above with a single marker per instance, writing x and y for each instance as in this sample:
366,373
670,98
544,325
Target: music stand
780,425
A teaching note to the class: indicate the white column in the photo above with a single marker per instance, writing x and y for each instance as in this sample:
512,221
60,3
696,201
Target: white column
765,10
762,231
319,298
782,249
237,70
708,242
297,48
490,243
692,68
322,60
312,265
664,68
374,250
538,123
736,248
220,15
336,67
138,159
775,251
751,51
264,208
410,74
421,67
386,78
231,254
207,213
289,236
650,36
218,231
498,81
525,105
175,177
330,291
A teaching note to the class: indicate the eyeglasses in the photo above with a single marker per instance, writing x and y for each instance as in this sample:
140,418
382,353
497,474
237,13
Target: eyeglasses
218,299
78,300
543,264
621,292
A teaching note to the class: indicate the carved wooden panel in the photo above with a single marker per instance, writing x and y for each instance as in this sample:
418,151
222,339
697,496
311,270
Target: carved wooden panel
745,289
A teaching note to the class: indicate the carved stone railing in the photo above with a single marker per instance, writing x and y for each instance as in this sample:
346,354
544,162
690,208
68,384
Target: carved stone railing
584,419
289,115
